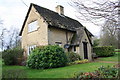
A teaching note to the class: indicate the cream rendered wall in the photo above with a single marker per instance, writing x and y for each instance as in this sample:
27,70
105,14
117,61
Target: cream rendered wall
58,35
38,37
88,47
77,50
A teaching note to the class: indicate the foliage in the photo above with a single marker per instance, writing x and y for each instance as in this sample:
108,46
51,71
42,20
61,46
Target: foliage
96,42
104,51
50,56
102,72
11,56
107,72
108,40
94,56
71,56
79,62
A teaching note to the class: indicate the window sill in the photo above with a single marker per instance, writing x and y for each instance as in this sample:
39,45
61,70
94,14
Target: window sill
32,31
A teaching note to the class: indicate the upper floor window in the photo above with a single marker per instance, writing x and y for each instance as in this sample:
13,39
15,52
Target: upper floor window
32,26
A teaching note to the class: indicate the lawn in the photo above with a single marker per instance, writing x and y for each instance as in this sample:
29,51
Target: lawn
63,72
112,58
0,67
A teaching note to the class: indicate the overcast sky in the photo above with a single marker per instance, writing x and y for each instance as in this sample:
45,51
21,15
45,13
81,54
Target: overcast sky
13,12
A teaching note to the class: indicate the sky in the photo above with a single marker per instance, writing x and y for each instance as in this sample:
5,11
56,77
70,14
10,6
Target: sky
13,12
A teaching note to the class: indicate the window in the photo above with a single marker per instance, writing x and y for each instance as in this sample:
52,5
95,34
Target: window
74,48
59,43
32,26
30,48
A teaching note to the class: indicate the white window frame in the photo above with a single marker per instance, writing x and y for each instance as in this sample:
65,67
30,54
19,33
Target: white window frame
30,48
59,43
32,26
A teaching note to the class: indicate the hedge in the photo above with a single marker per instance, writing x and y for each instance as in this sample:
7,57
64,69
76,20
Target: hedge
104,51
10,56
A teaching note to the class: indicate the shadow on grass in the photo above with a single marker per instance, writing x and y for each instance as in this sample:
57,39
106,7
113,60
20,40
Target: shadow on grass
13,73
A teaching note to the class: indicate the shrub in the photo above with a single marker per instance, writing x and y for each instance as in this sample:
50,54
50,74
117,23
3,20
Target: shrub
10,56
47,57
107,72
104,51
102,72
94,56
79,62
71,56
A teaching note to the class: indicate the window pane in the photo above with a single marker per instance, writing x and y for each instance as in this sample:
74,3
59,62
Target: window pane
30,48
32,26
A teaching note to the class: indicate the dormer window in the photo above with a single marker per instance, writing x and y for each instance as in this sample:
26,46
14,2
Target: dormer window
32,26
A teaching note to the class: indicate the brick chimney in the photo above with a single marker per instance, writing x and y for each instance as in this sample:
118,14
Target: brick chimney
60,9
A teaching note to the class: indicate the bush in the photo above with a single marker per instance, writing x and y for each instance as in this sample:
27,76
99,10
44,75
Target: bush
71,56
47,57
104,51
79,62
94,56
102,72
10,56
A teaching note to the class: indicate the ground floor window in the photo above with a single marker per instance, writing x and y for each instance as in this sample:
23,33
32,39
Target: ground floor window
59,43
30,48
74,48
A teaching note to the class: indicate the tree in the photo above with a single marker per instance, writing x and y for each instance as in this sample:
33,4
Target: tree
119,38
118,29
96,42
109,35
9,38
95,11
13,38
2,35
107,40
103,13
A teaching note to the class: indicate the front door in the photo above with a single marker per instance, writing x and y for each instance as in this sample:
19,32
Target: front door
85,50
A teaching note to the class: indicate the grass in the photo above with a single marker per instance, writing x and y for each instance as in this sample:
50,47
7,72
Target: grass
63,72
112,58
0,67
